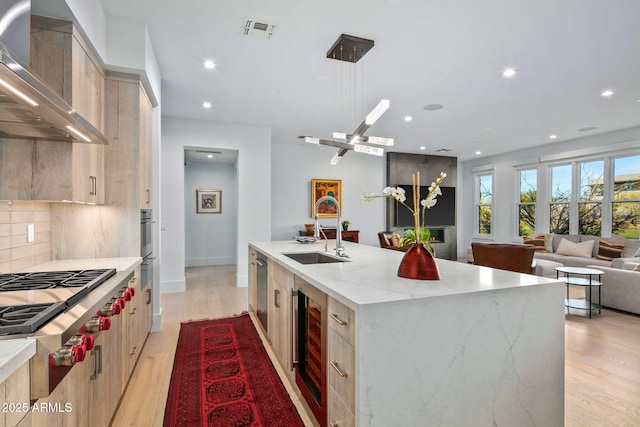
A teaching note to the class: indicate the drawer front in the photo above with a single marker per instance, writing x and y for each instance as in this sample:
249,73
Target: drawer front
281,276
342,320
338,415
341,360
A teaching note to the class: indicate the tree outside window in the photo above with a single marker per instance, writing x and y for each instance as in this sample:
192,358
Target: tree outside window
527,203
625,205
484,205
560,198
591,195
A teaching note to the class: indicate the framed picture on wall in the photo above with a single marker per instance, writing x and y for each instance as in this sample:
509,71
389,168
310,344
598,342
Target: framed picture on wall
208,201
326,187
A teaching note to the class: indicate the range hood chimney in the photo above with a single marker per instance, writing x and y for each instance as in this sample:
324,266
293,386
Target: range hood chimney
29,108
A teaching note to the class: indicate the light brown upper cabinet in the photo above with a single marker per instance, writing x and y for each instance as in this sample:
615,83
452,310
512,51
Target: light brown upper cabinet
65,61
145,150
129,115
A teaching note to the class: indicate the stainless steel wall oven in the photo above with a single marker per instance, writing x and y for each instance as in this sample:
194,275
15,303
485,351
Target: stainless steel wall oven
146,246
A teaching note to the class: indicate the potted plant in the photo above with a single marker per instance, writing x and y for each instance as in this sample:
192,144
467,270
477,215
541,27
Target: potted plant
345,224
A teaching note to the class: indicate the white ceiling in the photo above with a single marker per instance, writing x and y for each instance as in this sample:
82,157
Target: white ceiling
566,52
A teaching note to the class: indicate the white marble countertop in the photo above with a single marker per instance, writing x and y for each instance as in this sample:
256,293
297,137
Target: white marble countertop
13,354
369,276
120,264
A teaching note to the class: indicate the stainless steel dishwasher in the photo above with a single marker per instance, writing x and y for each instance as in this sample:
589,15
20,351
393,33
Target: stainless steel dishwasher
261,285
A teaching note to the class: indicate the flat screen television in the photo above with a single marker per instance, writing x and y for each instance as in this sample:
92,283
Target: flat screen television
443,213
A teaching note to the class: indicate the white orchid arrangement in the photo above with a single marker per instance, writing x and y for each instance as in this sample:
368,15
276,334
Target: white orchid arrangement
419,234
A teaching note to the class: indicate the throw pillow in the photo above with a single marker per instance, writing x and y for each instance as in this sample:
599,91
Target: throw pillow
395,239
548,242
637,268
537,241
582,249
608,250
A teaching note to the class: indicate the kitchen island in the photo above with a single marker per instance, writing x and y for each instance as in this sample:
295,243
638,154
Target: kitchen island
478,347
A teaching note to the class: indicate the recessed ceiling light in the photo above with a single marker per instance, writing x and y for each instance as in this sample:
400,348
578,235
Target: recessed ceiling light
607,92
478,153
553,136
209,65
206,104
433,107
210,156
408,118
509,72
423,148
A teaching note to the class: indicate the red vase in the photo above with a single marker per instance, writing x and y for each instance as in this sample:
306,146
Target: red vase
418,263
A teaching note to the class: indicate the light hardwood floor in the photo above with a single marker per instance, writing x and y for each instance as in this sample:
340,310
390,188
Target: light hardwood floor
602,368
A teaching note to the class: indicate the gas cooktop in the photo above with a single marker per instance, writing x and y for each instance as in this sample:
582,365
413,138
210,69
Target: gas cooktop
21,319
16,289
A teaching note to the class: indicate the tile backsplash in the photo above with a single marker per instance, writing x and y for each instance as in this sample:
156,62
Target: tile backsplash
15,253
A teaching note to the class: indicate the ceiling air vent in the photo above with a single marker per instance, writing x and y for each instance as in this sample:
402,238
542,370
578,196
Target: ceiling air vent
253,28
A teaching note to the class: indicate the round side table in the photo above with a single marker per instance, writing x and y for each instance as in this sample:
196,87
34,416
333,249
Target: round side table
585,277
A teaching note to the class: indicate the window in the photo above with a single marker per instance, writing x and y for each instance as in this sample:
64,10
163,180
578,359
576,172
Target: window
625,204
560,198
527,202
591,194
484,203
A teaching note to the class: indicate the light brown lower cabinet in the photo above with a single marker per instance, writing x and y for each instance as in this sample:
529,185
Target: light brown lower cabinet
89,394
14,397
280,285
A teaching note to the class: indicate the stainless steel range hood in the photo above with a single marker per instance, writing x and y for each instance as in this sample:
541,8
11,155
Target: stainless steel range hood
29,108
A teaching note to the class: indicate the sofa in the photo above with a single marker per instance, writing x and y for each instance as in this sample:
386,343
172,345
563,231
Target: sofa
621,284
630,252
620,287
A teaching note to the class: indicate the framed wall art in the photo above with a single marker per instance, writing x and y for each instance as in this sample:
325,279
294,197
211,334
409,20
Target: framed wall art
208,201
326,187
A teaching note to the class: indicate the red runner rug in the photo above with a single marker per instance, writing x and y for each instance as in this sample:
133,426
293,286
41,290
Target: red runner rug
223,377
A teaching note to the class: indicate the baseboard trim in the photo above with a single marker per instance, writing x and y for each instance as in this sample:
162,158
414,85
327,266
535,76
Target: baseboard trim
201,262
170,286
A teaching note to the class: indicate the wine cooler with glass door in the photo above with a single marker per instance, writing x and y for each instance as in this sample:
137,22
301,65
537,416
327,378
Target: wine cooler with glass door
310,330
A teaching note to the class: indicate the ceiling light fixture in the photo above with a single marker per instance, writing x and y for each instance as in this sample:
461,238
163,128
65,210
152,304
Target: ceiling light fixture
206,104
509,72
423,148
553,136
478,153
209,65
210,156
433,107
352,49
408,118
607,93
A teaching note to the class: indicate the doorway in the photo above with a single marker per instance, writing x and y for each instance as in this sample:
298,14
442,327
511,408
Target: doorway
210,193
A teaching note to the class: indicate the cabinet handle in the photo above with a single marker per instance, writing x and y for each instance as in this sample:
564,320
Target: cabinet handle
148,195
276,298
133,350
97,361
148,296
340,372
294,329
333,425
337,319
95,185
133,311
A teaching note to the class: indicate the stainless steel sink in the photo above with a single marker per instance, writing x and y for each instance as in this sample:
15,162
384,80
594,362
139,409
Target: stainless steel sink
313,258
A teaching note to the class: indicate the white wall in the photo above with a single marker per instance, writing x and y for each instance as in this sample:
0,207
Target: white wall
210,238
506,180
253,183
293,168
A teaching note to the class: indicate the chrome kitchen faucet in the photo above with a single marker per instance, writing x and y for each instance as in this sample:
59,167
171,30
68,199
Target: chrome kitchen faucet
339,248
